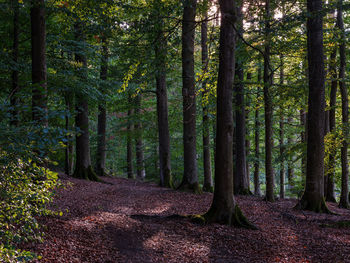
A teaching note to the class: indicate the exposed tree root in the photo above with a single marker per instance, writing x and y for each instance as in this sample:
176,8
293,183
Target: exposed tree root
320,207
208,188
87,174
194,188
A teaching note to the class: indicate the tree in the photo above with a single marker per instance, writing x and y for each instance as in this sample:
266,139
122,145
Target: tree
208,181
140,166
162,103
344,196
257,142
83,168
313,198
190,176
38,40
224,208
102,113
268,77
129,144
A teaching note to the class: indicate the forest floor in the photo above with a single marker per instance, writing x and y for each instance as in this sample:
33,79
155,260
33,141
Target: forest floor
127,222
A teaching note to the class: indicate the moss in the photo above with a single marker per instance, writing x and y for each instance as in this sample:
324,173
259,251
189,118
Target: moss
194,188
320,207
239,220
86,174
208,188
244,192
198,219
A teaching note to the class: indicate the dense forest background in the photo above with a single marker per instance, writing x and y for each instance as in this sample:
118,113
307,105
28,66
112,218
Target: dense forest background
133,89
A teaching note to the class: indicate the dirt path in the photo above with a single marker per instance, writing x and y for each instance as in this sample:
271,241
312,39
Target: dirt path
121,223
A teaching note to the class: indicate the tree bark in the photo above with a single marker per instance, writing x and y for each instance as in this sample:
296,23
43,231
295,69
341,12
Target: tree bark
14,121
102,114
312,198
69,156
140,166
224,208
208,181
290,169
162,112
129,147
268,108
38,41
83,168
190,176
282,146
257,142
344,195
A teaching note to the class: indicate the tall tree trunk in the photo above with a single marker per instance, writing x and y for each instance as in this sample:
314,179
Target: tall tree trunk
329,177
247,141
162,112
257,142
83,168
140,166
312,198
344,195
303,136
14,121
290,169
208,181
282,146
69,156
38,40
102,113
268,108
129,147
224,208
190,176
240,176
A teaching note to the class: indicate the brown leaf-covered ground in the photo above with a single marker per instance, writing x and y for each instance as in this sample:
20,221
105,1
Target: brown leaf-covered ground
126,222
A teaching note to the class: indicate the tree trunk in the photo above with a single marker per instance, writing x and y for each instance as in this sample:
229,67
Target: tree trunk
268,109
102,114
303,141
208,181
329,177
224,208
140,166
190,176
282,146
129,147
69,156
83,168
14,121
290,170
257,142
240,175
162,112
38,40
312,198
344,195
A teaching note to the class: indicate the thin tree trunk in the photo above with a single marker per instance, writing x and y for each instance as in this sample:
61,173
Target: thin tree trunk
102,114
83,168
282,146
162,112
290,169
329,177
208,181
140,166
14,121
69,157
268,109
224,208
257,142
303,140
313,197
190,176
344,195
247,141
38,41
129,147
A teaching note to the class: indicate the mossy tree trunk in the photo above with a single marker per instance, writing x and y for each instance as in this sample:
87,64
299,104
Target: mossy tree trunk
224,209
